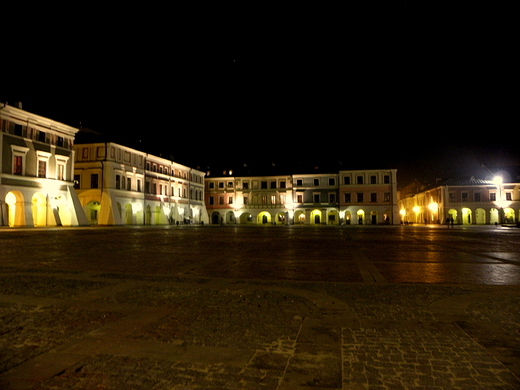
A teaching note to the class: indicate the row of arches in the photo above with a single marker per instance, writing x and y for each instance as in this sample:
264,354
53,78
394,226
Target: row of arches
480,216
41,210
135,214
303,217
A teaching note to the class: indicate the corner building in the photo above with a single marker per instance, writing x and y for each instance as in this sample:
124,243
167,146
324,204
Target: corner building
36,171
465,202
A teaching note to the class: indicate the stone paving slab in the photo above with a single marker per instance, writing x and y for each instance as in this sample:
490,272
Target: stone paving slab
234,334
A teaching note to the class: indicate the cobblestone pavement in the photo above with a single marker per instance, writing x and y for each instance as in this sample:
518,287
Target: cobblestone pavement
106,327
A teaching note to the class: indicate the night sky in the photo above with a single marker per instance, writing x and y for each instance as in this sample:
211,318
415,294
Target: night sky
422,89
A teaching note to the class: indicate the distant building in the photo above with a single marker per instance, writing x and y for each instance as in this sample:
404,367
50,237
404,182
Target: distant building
345,197
36,171
118,185
369,197
466,202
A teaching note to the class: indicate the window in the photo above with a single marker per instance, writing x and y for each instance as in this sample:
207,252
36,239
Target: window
18,165
332,181
273,199
299,182
129,183
509,196
316,198
230,184
94,180
387,197
273,185
299,198
60,174
118,182
138,185
41,136
221,184
360,197
492,196
477,197
282,184
211,185
464,196
245,185
316,182
264,199
451,196
211,200
332,198
263,185
346,180
347,198
386,179
19,153
373,180
77,182
373,197
42,168
220,200
246,200
360,179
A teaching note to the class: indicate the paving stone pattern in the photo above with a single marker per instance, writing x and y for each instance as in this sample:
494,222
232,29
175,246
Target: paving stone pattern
102,324
240,335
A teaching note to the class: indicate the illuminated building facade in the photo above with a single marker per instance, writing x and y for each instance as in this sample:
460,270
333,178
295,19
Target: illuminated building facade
249,199
467,202
369,197
36,171
118,185
307,199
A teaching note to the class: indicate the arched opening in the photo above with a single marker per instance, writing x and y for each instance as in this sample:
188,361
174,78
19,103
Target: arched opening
280,219
299,217
246,218
493,216
129,214
333,217
453,215
480,216
316,217
361,217
509,215
230,217
373,217
15,211
263,218
215,218
92,211
466,216
348,217
39,209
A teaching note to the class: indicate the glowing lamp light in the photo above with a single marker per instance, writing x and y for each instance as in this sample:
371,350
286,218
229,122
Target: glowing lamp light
497,180
434,207
416,209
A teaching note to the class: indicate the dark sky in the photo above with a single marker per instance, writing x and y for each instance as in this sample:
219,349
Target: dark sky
426,90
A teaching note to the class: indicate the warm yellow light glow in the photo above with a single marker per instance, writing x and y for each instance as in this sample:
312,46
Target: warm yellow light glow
434,207
416,209
497,180
402,212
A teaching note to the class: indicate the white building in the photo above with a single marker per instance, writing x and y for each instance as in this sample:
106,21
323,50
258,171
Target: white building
118,185
36,171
